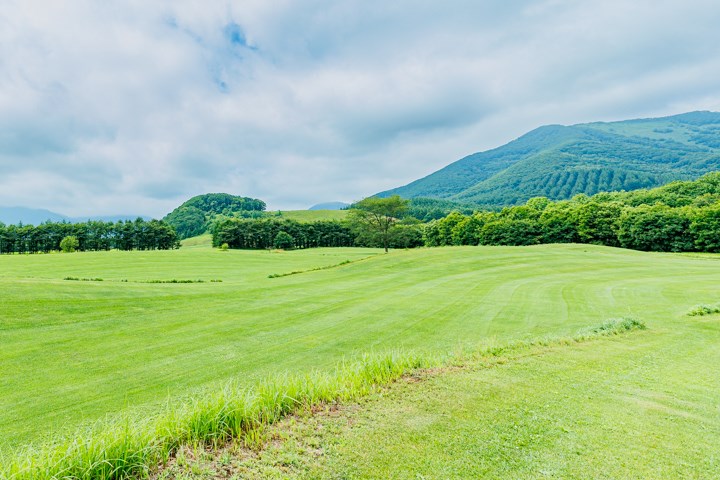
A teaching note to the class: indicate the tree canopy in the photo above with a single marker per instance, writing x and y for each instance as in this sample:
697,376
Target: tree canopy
88,236
679,217
378,215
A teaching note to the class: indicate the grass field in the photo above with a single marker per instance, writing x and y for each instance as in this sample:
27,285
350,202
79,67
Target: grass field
642,405
74,351
312,215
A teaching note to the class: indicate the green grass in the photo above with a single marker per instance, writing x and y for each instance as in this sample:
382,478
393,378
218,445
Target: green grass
76,351
309,216
632,407
636,406
204,240
133,446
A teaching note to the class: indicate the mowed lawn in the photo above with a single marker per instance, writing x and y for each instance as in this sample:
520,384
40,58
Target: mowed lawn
644,405
73,351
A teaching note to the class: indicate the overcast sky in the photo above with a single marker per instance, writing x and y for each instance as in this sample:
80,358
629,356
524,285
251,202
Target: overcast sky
132,107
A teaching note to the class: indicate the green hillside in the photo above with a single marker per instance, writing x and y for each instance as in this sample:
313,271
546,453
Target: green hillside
558,162
310,216
194,217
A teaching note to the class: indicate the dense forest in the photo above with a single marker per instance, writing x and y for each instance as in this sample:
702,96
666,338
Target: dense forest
426,209
288,234
679,217
90,236
280,233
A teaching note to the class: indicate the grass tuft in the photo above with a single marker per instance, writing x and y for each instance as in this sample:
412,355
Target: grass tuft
295,272
610,328
701,310
129,447
616,326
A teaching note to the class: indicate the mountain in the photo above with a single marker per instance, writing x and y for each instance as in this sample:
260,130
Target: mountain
36,216
31,216
195,215
330,206
108,218
558,162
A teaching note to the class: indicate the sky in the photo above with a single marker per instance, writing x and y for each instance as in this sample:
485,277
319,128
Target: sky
133,107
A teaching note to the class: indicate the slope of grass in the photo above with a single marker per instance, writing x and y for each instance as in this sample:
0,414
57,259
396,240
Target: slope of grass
76,351
309,216
204,240
134,446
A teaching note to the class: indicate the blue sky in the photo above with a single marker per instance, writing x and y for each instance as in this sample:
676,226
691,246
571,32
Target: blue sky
133,107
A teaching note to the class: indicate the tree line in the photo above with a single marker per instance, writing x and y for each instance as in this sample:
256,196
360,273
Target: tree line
263,233
91,236
680,217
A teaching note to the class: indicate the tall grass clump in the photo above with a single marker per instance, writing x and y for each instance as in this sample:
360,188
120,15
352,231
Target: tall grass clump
130,448
611,327
701,310
326,267
615,326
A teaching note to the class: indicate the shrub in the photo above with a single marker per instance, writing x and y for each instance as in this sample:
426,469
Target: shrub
701,310
284,241
69,244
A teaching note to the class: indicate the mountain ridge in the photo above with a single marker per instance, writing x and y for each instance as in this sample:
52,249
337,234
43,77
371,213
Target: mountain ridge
559,161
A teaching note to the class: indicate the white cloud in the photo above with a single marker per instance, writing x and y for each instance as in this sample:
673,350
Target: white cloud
133,107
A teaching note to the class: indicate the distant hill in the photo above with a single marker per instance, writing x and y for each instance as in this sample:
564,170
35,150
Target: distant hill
558,161
28,216
194,217
36,216
311,216
109,218
330,206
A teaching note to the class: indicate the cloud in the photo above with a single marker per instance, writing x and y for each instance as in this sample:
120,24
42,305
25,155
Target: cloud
135,107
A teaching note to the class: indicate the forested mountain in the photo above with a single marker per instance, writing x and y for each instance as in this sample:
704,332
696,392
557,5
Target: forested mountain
195,216
558,161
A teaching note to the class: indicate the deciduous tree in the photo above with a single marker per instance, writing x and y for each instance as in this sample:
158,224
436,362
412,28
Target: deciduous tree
378,215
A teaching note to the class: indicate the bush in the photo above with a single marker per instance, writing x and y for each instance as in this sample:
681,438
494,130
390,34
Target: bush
701,310
284,241
69,244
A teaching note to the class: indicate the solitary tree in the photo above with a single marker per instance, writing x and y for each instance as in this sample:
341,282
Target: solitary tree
378,215
284,241
69,244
